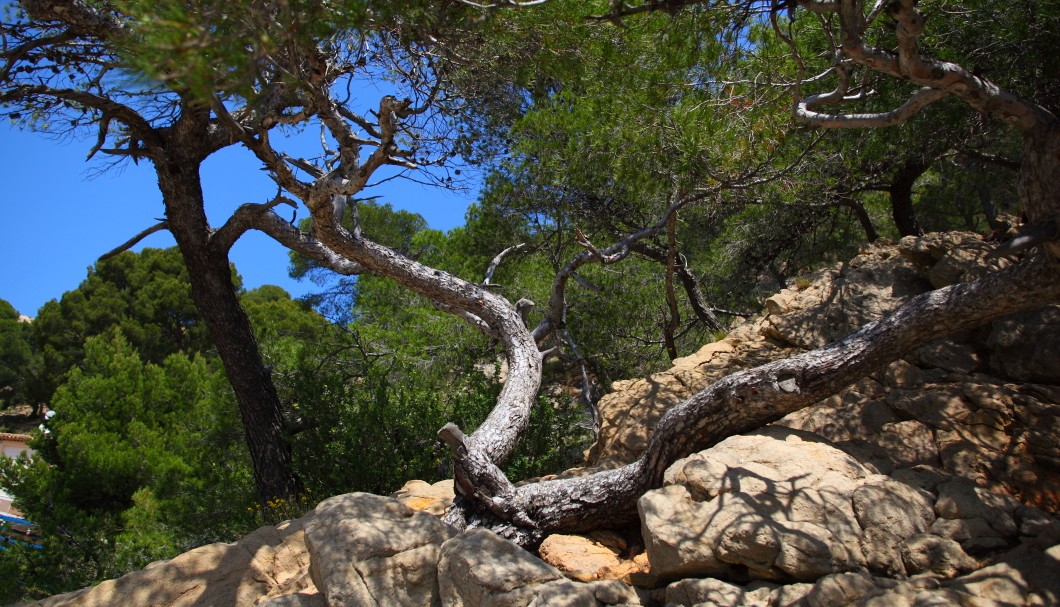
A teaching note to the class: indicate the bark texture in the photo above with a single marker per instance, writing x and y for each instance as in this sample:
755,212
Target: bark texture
215,297
901,191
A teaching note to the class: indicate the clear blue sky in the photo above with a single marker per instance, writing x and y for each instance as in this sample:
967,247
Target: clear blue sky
58,215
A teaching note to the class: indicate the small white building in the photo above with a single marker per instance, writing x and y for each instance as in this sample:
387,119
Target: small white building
12,445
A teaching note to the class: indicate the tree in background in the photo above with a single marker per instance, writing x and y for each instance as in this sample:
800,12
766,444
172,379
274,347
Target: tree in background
155,432
71,67
145,296
163,430
18,363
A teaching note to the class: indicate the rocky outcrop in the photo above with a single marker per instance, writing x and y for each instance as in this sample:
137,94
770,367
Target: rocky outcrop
268,567
933,482
965,405
900,489
372,550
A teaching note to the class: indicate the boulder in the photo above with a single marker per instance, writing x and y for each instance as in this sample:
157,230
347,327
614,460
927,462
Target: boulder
710,591
883,552
269,562
1024,576
840,590
479,569
772,505
430,498
371,550
1026,346
931,553
586,559
900,509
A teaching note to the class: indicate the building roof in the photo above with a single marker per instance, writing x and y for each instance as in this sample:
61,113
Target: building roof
18,438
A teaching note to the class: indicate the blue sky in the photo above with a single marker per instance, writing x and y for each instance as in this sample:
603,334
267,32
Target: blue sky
58,214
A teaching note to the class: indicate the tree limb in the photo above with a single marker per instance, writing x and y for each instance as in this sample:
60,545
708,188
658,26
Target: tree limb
496,262
158,227
805,111
282,231
674,321
471,319
242,220
555,315
753,398
139,127
704,311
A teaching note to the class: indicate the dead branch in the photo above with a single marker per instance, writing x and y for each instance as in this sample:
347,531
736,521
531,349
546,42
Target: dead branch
496,262
158,227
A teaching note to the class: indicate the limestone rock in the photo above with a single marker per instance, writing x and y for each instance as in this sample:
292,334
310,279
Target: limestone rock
883,552
975,535
1026,346
947,258
772,505
894,506
961,499
634,406
710,591
1038,527
908,443
1024,576
266,563
299,599
433,499
840,589
871,285
935,409
931,553
371,550
479,569
582,558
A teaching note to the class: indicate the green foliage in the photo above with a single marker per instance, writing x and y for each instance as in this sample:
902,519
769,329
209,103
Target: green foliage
17,359
376,431
145,295
274,315
152,432
207,46
555,440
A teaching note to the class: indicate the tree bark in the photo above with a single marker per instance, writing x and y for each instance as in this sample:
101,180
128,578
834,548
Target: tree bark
1039,180
214,293
871,235
901,192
